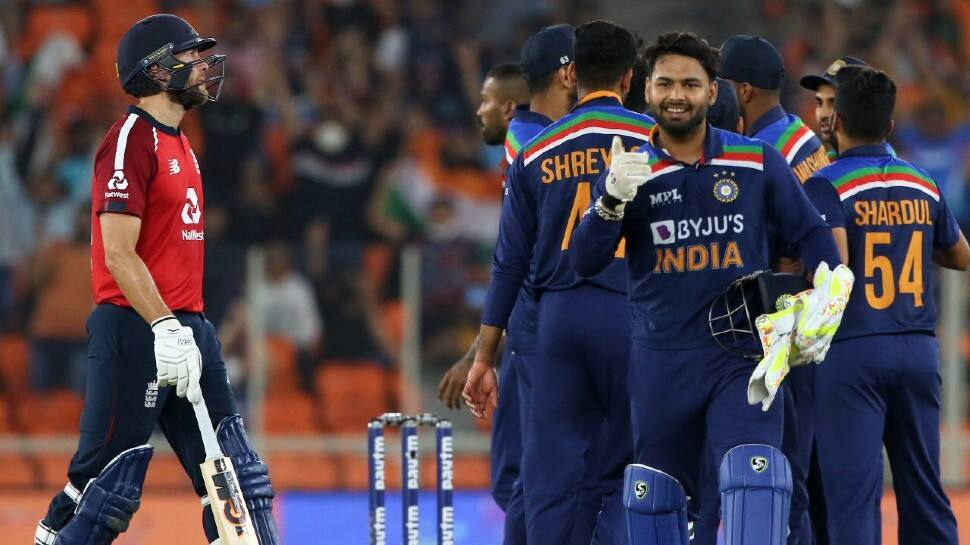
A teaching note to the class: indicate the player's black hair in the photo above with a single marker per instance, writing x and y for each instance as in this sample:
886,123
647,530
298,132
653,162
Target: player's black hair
541,83
687,44
865,101
636,100
506,71
604,51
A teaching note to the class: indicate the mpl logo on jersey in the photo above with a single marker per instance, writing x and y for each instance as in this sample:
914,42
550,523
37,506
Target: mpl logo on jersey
665,198
192,215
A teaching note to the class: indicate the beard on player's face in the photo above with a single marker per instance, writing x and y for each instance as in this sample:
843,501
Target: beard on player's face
679,116
493,132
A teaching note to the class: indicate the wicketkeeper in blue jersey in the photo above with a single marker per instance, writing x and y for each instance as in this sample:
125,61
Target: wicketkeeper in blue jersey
694,206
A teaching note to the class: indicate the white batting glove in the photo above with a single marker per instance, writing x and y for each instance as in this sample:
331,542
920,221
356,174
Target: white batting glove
177,358
628,171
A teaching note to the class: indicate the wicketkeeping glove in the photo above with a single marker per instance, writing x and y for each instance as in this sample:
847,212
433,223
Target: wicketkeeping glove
177,358
775,331
824,306
801,332
628,171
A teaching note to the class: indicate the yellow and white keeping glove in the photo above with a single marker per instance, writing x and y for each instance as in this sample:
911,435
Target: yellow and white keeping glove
824,306
775,331
801,332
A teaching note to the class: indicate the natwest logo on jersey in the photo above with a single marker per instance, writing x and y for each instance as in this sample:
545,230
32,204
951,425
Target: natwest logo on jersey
117,186
192,215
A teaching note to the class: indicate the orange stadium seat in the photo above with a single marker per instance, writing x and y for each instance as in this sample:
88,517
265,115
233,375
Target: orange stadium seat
350,394
281,355
19,470
165,471
53,468
54,412
292,413
45,21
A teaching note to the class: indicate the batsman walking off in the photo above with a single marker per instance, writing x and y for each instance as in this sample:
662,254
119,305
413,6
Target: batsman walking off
147,333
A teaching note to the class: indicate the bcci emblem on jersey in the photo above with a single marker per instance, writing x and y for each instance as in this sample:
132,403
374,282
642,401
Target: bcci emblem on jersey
725,188
641,489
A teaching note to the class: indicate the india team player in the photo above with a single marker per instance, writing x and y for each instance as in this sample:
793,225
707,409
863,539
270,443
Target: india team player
542,92
880,383
823,85
147,333
578,374
694,206
757,71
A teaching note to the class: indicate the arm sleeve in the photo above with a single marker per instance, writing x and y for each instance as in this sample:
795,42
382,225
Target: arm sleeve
826,200
513,250
796,221
946,230
594,240
123,168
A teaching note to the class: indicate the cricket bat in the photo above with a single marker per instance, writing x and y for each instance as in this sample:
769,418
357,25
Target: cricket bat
225,498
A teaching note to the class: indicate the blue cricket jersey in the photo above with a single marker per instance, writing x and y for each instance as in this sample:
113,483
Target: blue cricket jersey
694,229
547,189
894,217
524,321
524,126
793,139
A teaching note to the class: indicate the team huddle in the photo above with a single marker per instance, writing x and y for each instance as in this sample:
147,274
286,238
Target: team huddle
647,194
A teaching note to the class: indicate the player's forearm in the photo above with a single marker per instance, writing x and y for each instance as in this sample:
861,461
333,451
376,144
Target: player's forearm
817,246
137,284
489,338
956,257
593,244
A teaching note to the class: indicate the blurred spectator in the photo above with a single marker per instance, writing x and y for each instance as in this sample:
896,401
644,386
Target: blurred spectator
16,224
290,306
61,278
940,146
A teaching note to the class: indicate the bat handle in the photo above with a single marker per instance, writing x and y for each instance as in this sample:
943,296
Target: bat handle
212,450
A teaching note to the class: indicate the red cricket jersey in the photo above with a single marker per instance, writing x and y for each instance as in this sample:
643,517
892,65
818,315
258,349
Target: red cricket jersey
147,169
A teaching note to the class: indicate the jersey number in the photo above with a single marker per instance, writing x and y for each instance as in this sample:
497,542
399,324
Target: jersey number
910,278
580,206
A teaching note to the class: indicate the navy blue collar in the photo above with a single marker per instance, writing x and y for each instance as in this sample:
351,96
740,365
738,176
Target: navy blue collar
871,149
597,99
768,118
174,131
525,115
712,144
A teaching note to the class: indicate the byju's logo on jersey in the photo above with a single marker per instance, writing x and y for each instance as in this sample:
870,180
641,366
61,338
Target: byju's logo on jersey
191,211
663,232
173,167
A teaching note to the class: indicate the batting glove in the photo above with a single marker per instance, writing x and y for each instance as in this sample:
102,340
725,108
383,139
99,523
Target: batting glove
628,171
177,358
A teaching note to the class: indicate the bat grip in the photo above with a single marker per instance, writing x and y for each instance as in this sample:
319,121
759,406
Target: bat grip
212,450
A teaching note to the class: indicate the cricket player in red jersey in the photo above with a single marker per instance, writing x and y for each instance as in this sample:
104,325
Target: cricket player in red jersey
147,333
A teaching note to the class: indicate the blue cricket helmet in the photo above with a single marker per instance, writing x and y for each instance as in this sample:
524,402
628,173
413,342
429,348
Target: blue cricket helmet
156,39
